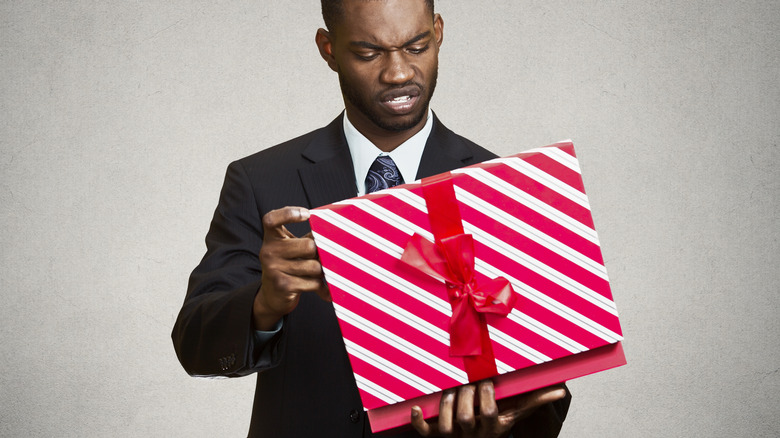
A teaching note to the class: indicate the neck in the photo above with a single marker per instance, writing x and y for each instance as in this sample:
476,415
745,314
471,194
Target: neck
383,139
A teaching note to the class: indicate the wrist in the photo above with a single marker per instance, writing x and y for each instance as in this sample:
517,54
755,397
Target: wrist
263,318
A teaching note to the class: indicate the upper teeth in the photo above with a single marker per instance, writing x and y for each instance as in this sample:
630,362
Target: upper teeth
401,99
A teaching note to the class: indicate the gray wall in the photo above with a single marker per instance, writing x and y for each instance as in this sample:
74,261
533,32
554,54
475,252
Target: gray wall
119,118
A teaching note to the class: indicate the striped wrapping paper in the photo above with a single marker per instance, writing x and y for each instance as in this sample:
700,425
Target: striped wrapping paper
531,223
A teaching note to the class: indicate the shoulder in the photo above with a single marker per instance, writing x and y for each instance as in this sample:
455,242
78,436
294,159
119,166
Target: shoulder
293,153
480,153
459,144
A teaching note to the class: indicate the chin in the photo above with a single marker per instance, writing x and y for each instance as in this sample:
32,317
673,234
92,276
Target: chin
401,124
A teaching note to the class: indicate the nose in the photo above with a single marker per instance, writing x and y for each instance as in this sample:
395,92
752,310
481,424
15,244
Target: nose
397,69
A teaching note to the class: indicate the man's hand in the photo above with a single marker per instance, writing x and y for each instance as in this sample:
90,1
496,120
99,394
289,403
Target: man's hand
290,268
457,416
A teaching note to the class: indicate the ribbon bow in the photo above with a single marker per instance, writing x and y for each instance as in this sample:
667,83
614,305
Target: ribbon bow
451,260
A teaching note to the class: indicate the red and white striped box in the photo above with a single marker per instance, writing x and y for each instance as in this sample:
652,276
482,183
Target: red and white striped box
530,223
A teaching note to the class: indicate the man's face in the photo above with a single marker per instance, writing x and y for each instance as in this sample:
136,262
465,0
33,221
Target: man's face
386,56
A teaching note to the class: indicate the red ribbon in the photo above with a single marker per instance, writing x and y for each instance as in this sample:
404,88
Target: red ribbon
451,259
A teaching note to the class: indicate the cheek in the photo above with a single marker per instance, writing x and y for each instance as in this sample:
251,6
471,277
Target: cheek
429,67
362,79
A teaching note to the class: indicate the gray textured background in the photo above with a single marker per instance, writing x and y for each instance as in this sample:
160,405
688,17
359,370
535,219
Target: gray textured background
119,118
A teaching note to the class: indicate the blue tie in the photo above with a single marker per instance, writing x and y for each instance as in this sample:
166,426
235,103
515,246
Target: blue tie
383,174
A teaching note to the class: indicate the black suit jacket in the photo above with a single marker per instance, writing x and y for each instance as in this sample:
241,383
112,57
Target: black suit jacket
308,388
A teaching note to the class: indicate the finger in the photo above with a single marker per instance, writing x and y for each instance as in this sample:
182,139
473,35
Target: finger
289,248
418,422
488,409
301,268
310,235
541,397
529,402
282,283
465,413
274,220
446,411
324,291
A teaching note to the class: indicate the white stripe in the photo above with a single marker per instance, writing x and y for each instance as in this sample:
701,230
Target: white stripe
503,368
546,332
376,390
558,155
511,191
550,304
419,324
401,344
540,268
531,202
388,216
518,347
387,307
543,178
423,326
530,232
412,199
383,275
363,233
533,234
390,368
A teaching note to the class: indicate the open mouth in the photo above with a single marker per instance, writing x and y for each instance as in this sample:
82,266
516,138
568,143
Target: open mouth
401,101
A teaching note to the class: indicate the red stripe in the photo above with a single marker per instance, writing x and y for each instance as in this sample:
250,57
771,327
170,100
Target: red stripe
372,283
559,324
369,401
401,328
533,188
529,216
556,169
547,287
515,359
381,378
378,226
394,355
537,251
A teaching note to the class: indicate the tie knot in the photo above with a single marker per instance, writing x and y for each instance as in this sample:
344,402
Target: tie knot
383,174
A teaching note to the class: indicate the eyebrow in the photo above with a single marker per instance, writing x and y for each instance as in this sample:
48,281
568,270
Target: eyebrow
367,45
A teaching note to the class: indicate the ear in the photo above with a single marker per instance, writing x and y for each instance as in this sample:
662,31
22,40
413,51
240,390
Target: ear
438,29
324,42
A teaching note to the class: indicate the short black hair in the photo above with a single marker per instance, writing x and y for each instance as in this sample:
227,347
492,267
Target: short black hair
333,11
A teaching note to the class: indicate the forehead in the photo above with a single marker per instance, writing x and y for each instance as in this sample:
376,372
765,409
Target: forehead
384,22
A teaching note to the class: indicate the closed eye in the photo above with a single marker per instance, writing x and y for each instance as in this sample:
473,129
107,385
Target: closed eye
367,56
418,50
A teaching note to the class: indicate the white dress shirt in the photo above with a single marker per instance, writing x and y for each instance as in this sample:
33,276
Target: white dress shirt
406,156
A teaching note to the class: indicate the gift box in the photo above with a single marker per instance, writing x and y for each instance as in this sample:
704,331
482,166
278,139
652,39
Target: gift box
492,270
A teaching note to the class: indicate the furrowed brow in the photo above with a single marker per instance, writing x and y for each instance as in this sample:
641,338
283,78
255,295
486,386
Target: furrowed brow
370,46
417,38
364,45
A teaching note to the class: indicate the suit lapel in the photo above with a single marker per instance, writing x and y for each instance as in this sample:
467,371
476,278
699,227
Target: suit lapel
444,151
330,177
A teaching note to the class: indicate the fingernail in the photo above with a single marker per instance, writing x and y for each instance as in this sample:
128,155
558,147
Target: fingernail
304,213
415,412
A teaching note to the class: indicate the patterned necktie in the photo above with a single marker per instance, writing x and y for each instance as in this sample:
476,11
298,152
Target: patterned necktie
383,174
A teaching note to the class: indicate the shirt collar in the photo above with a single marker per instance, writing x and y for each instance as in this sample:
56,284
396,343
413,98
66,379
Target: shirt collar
406,156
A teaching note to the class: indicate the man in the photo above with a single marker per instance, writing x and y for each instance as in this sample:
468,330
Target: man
257,301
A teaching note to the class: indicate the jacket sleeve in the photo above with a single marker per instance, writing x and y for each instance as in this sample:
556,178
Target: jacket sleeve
545,422
213,334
